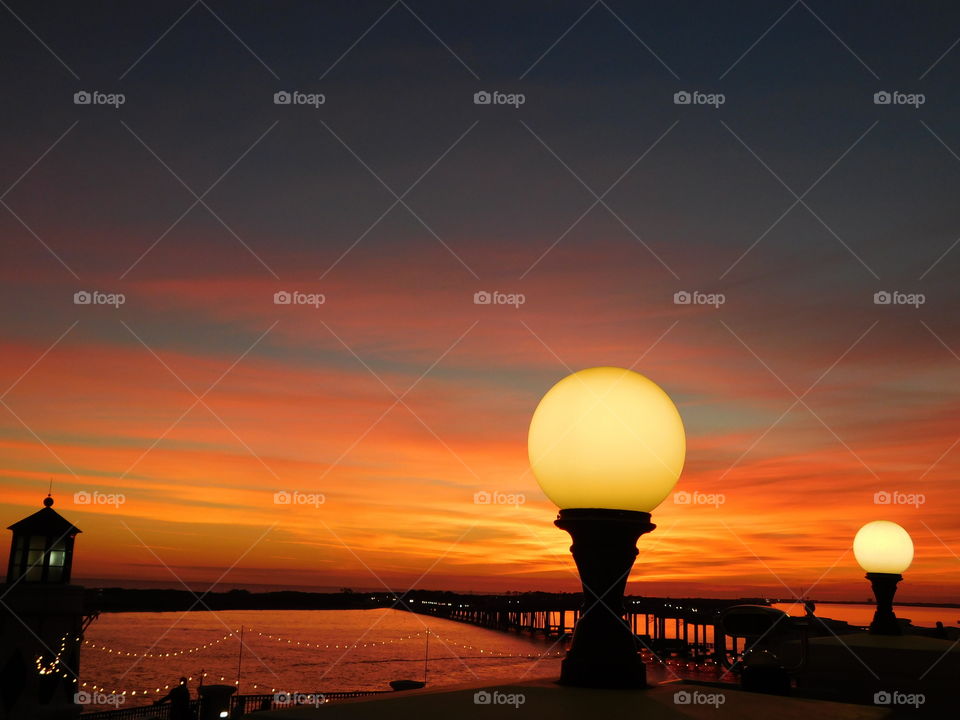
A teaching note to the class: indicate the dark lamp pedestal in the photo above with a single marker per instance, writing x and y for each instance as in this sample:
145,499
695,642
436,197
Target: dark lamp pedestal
884,588
603,653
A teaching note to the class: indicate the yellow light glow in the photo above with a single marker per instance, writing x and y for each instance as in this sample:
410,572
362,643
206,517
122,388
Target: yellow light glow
882,546
607,438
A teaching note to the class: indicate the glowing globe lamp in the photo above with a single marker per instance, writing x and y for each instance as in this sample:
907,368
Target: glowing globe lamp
607,446
882,546
607,438
884,550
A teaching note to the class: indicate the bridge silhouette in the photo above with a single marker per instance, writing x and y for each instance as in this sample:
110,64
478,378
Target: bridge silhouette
667,627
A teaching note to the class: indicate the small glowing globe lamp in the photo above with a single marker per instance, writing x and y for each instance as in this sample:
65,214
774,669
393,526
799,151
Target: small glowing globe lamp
607,446
884,550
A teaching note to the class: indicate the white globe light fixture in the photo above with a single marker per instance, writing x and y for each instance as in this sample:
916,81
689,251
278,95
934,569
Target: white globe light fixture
609,438
607,445
884,550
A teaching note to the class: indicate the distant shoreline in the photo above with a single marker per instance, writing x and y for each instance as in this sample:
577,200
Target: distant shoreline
115,600
861,602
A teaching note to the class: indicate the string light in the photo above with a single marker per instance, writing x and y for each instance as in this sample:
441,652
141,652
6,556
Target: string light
445,640
492,653
93,687
325,646
303,643
174,653
50,668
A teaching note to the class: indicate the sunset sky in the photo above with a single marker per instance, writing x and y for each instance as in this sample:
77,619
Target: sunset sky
399,398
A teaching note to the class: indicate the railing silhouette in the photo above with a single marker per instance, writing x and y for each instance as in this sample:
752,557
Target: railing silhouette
245,704
240,705
143,712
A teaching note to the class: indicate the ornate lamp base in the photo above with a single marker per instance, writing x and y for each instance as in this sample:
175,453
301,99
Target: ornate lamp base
603,653
884,588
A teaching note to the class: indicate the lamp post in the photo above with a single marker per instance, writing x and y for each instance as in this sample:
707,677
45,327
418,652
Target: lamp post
884,550
607,446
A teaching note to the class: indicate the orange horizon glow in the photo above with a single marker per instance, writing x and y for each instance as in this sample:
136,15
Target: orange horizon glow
302,414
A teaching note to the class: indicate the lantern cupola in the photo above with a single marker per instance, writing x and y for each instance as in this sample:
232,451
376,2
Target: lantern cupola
42,548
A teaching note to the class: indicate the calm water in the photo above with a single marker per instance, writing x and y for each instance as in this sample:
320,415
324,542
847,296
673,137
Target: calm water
390,646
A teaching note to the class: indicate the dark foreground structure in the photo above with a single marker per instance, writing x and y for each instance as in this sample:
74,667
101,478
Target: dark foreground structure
42,619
